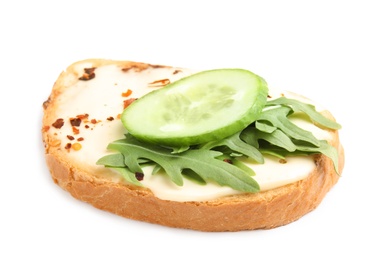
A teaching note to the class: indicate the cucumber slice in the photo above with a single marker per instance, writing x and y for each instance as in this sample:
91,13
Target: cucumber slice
203,107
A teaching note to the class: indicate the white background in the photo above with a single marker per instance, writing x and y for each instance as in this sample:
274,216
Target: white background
316,48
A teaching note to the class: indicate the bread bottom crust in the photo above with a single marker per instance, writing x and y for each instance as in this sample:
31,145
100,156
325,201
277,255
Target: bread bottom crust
264,210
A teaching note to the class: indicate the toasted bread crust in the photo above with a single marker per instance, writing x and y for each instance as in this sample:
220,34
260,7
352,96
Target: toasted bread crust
264,210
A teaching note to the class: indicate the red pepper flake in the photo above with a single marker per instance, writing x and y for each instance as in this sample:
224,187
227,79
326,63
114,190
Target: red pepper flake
155,66
75,130
135,67
45,128
80,139
159,83
110,118
118,116
89,73
282,161
75,121
70,137
94,121
81,117
68,146
127,93
58,123
228,161
139,176
46,103
86,126
129,101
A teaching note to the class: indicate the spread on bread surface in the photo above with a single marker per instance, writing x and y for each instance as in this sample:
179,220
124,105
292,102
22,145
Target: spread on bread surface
86,125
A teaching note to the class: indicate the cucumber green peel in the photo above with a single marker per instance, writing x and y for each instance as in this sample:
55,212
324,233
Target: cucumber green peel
269,132
206,106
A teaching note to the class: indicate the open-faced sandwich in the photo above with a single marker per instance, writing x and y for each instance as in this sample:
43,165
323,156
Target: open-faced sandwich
214,150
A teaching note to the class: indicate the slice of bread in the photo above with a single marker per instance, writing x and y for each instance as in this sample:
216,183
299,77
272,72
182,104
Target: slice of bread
76,136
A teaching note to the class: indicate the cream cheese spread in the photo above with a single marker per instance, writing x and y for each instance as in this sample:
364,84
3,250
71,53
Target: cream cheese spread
102,98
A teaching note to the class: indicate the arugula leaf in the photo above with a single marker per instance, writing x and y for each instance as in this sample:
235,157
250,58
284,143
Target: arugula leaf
112,160
234,161
237,145
277,138
278,118
191,175
324,148
308,109
280,145
264,127
202,162
244,167
116,160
